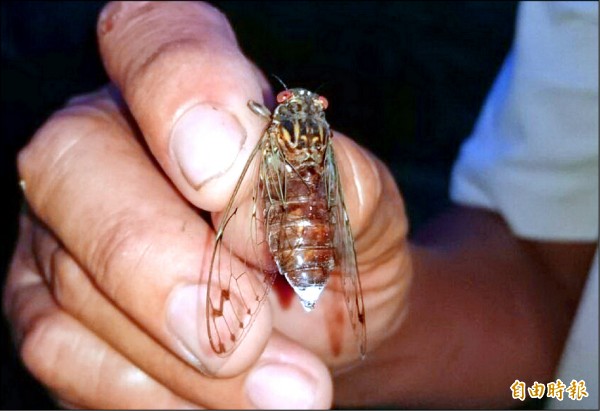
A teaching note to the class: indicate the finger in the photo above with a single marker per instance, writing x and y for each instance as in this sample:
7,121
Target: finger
187,84
380,230
285,376
375,207
76,294
92,183
72,362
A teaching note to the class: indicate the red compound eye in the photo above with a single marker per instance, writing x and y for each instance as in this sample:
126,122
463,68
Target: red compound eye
283,96
324,102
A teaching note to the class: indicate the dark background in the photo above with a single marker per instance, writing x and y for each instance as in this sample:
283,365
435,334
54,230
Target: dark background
405,79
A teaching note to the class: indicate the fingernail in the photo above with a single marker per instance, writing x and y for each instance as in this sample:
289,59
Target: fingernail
279,386
205,142
183,321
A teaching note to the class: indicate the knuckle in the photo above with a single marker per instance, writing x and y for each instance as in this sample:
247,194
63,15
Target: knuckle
218,17
114,251
66,282
131,250
124,247
181,57
152,38
43,161
63,128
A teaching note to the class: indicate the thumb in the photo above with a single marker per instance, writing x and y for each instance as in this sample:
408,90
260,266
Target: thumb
187,84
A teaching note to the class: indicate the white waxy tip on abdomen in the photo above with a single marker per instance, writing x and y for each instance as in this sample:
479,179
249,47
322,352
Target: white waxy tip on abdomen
309,295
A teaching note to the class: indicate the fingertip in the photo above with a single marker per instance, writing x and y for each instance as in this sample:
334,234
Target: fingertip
187,322
281,386
289,377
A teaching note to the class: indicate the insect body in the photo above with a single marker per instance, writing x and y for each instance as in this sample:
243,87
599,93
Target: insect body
298,225
299,229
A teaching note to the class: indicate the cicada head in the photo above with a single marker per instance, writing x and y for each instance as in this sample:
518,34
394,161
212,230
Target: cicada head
300,126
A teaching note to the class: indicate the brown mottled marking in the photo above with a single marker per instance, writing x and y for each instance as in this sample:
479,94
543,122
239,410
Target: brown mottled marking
336,322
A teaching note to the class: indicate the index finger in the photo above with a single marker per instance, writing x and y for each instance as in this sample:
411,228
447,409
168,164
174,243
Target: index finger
187,84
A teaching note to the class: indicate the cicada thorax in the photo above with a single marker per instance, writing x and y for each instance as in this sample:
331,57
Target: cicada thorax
297,215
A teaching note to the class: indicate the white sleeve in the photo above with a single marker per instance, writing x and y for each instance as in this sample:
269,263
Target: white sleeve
533,154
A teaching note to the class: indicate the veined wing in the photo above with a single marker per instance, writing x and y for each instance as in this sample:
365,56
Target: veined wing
344,250
235,293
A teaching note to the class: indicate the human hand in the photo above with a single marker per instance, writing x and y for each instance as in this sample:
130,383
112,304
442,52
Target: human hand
103,287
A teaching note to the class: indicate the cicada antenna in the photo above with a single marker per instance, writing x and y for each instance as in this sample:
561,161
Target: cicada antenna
280,81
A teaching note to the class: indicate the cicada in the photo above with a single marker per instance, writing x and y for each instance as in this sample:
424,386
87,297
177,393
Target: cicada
286,216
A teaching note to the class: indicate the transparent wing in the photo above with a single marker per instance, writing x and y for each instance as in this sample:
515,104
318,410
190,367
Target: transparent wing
344,251
235,293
